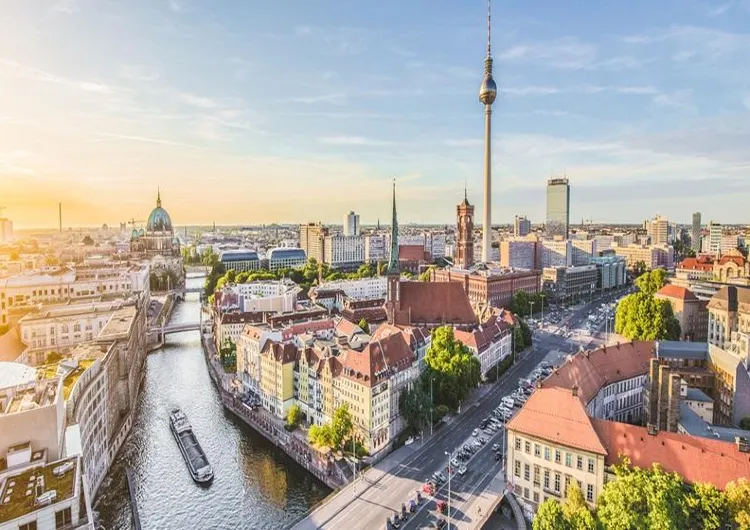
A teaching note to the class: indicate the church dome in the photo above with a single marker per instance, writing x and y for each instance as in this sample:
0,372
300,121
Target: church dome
134,234
159,220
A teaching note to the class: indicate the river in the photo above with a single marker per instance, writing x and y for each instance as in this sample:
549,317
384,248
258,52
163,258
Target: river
256,486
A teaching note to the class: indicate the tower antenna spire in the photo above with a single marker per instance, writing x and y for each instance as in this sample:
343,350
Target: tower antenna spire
466,192
489,28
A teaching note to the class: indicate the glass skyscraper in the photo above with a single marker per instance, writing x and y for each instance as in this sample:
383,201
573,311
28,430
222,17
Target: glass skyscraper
696,232
558,207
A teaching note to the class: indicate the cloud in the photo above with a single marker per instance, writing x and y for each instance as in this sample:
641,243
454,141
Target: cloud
135,72
463,142
530,91
178,6
720,9
10,68
242,67
694,41
640,90
746,101
15,163
106,136
352,140
566,54
336,98
681,99
198,101
66,6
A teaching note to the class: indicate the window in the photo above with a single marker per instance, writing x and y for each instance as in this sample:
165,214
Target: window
590,492
527,447
546,479
568,460
28,526
517,471
557,482
591,465
526,493
536,496
63,518
537,450
579,462
536,476
526,472
518,444
558,456
546,452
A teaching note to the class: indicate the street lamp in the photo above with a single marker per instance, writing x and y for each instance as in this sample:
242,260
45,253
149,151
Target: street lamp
432,407
531,308
449,487
541,295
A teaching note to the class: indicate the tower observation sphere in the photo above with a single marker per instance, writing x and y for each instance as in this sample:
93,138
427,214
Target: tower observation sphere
488,90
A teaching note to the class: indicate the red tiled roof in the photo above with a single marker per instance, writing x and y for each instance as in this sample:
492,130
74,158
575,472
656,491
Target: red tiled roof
346,328
555,414
701,263
411,253
677,292
11,345
590,371
731,298
389,353
694,458
434,303
484,335
283,352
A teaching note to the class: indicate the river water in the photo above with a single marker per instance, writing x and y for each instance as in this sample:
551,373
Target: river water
256,486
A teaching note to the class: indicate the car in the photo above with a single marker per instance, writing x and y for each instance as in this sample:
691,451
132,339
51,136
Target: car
442,506
462,470
428,488
454,462
498,455
482,440
409,440
475,433
495,447
440,523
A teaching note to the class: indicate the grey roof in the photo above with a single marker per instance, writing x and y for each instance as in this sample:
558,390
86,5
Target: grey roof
695,426
671,349
695,394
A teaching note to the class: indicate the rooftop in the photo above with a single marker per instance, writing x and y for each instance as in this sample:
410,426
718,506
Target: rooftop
11,345
673,349
695,394
119,323
33,396
13,374
590,371
677,292
71,310
557,415
695,459
19,492
731,298
435,302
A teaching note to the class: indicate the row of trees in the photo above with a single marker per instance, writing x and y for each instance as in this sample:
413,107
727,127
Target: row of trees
649,499
642,316
163,280
451,372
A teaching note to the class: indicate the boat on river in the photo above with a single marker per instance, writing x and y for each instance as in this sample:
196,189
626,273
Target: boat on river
191,450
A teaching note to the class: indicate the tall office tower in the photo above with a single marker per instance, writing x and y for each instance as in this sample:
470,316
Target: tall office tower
695,234
714,237
465,236
351,224
521,226
558,207
487,95
658,230
6,230
312,240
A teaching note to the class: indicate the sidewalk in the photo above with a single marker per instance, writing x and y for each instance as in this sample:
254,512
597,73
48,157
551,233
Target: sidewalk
341,499
480,511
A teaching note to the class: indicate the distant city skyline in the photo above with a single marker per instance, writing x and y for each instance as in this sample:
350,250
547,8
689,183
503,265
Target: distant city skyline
643,106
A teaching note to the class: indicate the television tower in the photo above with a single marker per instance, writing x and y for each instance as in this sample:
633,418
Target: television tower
487,95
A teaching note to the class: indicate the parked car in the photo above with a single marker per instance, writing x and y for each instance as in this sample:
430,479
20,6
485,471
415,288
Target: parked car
475,433
428,488
495,447
442,506
462,470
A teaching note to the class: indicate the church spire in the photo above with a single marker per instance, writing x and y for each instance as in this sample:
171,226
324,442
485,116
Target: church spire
393,266
158,197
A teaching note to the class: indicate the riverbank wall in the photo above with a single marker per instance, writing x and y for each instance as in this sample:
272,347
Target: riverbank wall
321,466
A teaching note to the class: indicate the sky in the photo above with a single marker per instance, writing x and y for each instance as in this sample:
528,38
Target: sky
286,111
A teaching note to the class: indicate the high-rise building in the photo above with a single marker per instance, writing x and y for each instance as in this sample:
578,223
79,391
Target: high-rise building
583,251
518,253
658,230
558,207
312,240
557,254
696,232
344,251
351,224
465,235
487,95
714,237
521,226
6,231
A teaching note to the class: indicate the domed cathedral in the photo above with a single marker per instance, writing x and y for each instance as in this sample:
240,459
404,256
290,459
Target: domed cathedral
158,244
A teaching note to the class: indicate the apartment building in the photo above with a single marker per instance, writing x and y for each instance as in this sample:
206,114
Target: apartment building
658,230
521,226
286,258
377,247
312,240
341,251
517,253
613,271
570,284
277,296
240,260
364,289
691,313
57,328
491,342
557,253
584,251
653,256
553,442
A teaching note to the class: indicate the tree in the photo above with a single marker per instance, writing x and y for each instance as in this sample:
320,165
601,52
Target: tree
577,513
708,508
341,425
745,423
550,516
294,416
364,325
639,267
414,405
738,498
518,343
321,435
526,332
228,351
652,281
426,275
641,316
453,367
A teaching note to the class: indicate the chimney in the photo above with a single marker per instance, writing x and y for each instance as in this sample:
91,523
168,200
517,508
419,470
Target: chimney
574,390
652,429
662,397
743,444
673,403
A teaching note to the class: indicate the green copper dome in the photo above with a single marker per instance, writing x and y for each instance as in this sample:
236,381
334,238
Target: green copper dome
159,220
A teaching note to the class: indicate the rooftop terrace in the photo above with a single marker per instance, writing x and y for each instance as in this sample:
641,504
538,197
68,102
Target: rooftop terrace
37,395
119,324
19,493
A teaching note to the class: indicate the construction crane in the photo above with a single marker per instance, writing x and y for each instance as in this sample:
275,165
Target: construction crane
133,222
